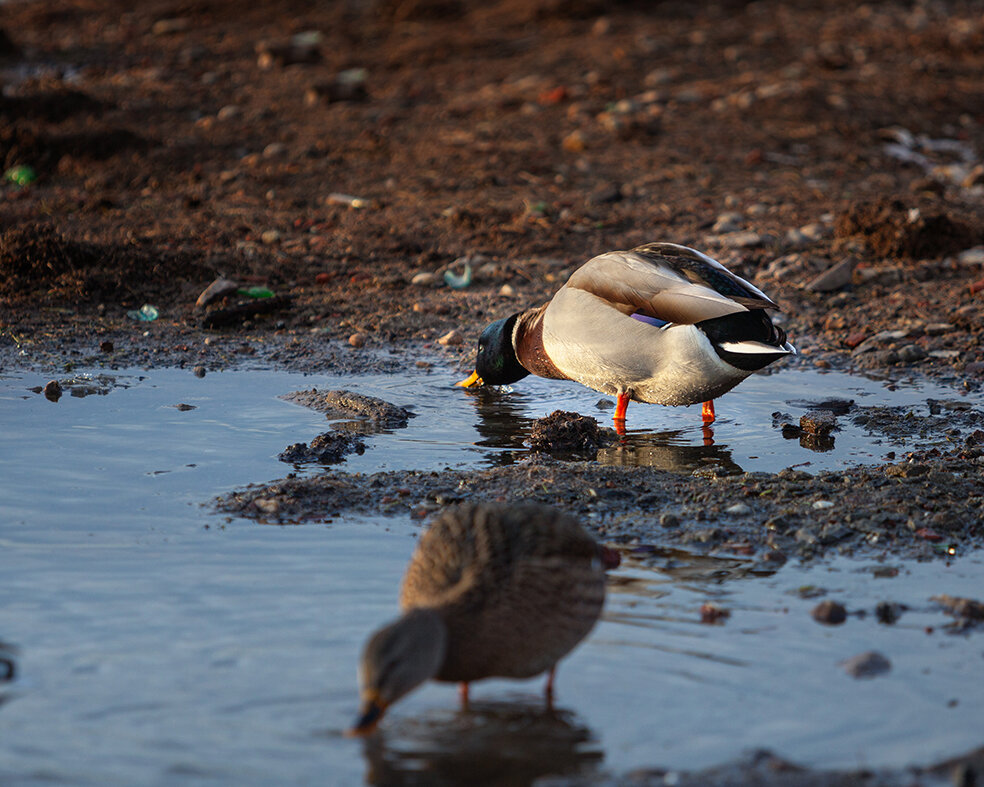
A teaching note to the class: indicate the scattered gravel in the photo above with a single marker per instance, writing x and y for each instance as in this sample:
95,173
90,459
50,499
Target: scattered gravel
829,612
866,665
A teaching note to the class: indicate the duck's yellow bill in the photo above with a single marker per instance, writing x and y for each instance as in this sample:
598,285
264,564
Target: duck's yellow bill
471,381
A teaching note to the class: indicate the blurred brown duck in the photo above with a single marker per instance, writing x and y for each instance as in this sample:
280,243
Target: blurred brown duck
491,591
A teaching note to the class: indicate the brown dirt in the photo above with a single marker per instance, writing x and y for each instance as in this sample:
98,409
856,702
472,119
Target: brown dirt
534,134
888,228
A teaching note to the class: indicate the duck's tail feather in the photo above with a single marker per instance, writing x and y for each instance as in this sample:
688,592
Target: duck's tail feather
747,340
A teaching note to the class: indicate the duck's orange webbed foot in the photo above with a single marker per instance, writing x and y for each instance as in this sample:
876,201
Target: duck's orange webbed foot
708,412
621,405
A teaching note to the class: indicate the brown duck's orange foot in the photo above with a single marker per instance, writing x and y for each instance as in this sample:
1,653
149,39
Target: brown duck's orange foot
549,690
463,693
708,412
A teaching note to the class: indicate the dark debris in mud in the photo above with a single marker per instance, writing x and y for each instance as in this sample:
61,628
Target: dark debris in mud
327,448
968,612
565,433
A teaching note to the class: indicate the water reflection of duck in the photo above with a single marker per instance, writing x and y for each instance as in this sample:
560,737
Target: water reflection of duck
494,743
491,591
502,423
661,323
663,451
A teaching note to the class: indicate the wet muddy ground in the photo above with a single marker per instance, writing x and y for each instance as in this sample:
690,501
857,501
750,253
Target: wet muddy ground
343,157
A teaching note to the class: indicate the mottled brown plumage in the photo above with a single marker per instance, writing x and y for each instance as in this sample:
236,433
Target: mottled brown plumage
491,591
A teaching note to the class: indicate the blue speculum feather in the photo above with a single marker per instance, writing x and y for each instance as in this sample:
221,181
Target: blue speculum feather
725,285
650,320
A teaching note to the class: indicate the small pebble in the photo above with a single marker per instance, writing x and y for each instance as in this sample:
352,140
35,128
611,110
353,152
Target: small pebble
198,371
814,231
740,240
507,290
574,142
452,337
53,391
866,665
795,237
911,353
974,256
728,222
713,613
424,279
669,520
106,347
267,505
829,612
269,237
275,150
357,340
163,27
337,198
218,289
821,504
739,509
834,278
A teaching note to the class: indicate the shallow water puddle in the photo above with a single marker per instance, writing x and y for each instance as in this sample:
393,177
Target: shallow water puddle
161,643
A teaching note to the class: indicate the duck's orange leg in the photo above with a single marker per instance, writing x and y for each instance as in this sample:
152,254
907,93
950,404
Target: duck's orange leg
708,412
621,405
548,691
463,693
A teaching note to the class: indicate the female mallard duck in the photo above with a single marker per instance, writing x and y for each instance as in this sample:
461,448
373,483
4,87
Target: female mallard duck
491,591
662,323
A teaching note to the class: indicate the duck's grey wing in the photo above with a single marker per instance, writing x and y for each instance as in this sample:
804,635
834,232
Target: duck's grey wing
668,282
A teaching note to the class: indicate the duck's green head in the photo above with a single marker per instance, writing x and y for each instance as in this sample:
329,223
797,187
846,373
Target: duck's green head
497,363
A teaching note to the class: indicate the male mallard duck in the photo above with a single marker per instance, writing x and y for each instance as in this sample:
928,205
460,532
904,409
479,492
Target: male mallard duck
491,591
662,323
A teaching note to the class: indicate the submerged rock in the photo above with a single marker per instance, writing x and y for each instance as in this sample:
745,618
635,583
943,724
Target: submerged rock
820,423
831,613
869,664
342,404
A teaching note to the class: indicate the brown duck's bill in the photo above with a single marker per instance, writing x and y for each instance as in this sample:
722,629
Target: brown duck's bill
470,381
369,717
